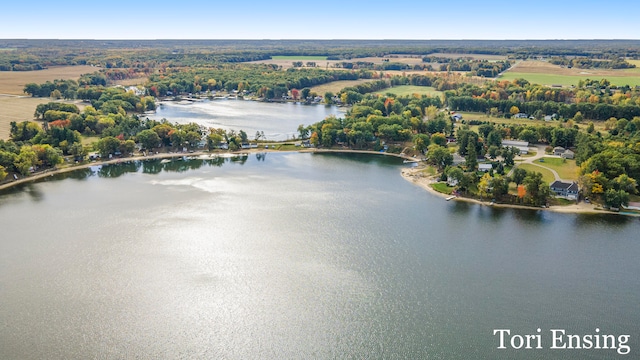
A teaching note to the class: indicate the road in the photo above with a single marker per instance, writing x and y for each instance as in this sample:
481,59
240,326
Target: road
539,154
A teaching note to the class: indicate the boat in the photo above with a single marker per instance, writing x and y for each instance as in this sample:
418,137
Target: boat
451,197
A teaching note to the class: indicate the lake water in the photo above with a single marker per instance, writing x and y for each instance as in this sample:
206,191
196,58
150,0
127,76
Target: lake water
277,121
298,256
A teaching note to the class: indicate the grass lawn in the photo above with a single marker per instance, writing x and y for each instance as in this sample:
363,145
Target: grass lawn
567,169
301,57
442,187
568,80
547,176
336,86
409,90
88,141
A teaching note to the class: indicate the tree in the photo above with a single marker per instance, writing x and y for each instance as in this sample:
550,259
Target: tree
127,147
107,146
313,139
149,139
625,183
518,175
295,94
328,97
483,185
537,190
455,173
303,131
616,198
26,159
472,157
422,142
439,156
3,173
514,110
304,93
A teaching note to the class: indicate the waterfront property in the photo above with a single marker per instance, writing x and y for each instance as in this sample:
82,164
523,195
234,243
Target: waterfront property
568,190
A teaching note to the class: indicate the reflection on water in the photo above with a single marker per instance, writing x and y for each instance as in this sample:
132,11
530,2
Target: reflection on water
296,256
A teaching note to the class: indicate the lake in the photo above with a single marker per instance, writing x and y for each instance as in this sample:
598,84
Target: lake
298,255
278,121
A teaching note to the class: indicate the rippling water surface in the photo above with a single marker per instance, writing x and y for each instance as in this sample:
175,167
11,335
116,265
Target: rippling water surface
276,256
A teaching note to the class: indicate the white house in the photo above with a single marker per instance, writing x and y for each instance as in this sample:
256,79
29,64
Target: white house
522,146
485,167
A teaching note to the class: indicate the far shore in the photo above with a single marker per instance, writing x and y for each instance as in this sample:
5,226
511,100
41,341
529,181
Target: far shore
50,172
410,174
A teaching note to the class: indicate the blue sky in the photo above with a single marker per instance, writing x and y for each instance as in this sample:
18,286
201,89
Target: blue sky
320,19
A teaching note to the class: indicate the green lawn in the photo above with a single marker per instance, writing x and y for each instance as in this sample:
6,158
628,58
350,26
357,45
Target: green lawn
408,90
300,57
567,169
442,187
547,175
567,80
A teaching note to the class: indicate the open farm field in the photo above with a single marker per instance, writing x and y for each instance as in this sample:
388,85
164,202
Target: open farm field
322,62
544,73
336,86
13,108
21,108
131,82
13,82
408,90
299,58
473,56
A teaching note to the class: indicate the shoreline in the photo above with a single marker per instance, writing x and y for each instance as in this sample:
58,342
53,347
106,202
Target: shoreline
409,174
50,172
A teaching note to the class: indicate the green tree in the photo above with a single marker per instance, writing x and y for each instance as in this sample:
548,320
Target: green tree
328,97
422,142
26,159
3,172
472,157
616,198
439,156
303,131
518,175
107,146
537,190
149,139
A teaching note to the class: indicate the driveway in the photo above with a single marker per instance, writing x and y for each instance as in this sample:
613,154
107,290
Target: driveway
530,160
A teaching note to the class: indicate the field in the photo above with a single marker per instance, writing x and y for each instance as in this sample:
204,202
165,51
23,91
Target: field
567,169
12,82
16,109
322,62
299,58
336,86
473,56
442,187
20,108
544,73
408,90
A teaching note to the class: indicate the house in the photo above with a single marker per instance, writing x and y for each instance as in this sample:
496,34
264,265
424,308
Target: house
565,189
521,116
456,117
568,154
553,116
485,167
558,150
245,146
452,182
522,146
564,153
306,143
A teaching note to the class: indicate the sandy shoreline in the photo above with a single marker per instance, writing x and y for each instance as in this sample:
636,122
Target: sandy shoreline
413,176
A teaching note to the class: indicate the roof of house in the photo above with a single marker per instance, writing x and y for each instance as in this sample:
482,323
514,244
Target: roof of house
572,186
558,148
568,152
485,166
514,143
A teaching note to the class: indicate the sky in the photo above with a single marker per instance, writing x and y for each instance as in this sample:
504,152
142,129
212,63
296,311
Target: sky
320,19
